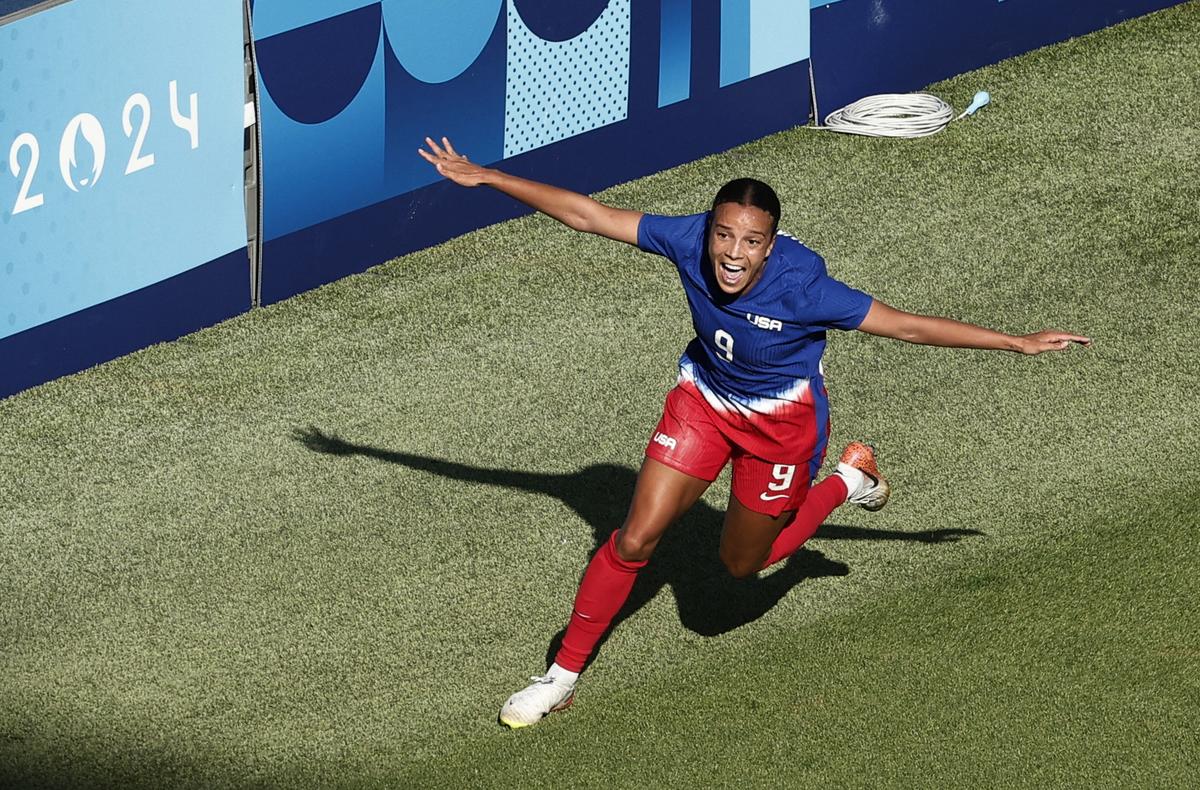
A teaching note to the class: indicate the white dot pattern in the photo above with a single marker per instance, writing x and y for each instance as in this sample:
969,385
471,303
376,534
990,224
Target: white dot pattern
558,89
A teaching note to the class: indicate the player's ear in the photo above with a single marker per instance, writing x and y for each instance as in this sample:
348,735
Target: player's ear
770,246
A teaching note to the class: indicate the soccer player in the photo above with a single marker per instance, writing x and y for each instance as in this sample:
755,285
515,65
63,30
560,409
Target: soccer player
750,392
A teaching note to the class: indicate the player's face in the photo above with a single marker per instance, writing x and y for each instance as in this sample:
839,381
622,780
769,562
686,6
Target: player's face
739,241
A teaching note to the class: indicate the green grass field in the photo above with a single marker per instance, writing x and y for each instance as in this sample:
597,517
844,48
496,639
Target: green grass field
319,545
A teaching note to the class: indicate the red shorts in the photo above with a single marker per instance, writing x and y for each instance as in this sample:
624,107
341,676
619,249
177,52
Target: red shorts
774,457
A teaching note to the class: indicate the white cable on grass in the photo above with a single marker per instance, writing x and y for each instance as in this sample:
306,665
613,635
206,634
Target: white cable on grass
898,115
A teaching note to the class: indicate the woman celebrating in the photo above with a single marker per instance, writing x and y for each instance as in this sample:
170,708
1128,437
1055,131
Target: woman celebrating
750,392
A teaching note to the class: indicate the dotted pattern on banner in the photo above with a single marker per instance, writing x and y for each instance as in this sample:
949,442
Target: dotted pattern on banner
558,89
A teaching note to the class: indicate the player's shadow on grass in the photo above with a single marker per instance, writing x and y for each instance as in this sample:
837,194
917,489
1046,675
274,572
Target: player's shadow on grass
710,601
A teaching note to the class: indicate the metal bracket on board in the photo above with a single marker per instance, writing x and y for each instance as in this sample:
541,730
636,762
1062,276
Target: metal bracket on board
814,112
252,161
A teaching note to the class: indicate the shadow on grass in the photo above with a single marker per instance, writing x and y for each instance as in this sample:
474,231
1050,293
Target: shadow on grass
710,601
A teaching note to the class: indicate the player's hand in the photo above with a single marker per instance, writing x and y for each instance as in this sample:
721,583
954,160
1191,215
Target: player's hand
1050,340
452,164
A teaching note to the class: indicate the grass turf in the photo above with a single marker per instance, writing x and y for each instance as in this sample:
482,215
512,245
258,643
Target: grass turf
319,544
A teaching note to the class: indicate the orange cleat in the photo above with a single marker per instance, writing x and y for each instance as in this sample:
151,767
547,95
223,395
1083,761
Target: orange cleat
859,469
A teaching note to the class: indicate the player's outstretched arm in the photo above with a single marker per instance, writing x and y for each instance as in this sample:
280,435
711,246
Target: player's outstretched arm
574,210
887,321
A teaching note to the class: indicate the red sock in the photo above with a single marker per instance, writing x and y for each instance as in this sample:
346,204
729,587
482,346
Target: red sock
602,593
822,499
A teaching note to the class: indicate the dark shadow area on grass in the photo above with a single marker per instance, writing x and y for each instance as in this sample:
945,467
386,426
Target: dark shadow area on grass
710,601
40,760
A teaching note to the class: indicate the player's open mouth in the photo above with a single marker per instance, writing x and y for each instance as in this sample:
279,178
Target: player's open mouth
730,274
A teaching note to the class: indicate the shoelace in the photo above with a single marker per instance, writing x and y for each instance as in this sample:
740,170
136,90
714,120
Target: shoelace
547,680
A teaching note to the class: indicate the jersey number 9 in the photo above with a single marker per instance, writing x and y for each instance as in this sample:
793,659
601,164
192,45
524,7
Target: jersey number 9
724,341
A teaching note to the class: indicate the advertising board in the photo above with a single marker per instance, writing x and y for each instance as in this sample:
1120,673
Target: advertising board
585,94
121,132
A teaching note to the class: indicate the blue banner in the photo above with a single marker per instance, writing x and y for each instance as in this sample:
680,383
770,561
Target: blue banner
121,137
351,87
584,93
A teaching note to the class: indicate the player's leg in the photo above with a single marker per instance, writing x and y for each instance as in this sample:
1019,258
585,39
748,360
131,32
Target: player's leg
661,496
755,537
857,480
768,501
752,541
747,537
684,456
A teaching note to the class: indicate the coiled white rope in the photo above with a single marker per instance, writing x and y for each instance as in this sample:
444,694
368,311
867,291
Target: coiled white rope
898,115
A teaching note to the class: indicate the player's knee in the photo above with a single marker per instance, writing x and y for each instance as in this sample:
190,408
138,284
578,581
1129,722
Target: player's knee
633,547
739,565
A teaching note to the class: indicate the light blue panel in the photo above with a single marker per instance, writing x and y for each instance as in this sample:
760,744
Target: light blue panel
735,41
778,34
559,89
280,16
436,42
102,192
675,52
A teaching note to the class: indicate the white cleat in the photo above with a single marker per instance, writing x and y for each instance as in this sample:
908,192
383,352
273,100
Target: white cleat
547,694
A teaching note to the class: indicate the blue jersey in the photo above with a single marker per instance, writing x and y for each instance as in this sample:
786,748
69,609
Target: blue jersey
758,351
